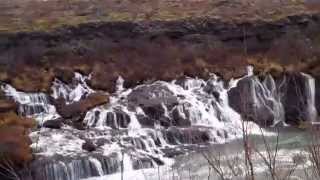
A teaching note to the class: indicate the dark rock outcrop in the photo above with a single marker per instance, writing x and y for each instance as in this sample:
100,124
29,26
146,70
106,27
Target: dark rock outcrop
178,119
53,124
248,99
89,146
289,98
297,98
167,45
317,79
162,101
190,135
77,109
159,92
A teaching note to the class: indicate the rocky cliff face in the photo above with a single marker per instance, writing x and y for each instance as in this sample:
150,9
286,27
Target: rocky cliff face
162,50
287,98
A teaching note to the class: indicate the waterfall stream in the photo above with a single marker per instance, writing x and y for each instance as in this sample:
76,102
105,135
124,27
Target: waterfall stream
144,127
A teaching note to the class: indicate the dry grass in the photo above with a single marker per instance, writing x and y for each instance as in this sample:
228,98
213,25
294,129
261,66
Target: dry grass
29,15
14,142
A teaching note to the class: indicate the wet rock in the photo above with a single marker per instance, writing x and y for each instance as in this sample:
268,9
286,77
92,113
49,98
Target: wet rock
64,167
89,146
159,92
179,117
171,153
190,135
155,114
53,124
297,99
156,100
248,100
146,121
79,125
142,163
65,75
317,81
157,160
117,119
102,141
80,107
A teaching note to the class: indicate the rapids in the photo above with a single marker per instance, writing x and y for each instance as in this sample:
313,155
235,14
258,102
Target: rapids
147,126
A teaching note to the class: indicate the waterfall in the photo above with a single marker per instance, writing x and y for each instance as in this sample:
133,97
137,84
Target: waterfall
153,121
73,92
36,105
127,163
274,95
119,84
74,169
97,165
310,97
258,100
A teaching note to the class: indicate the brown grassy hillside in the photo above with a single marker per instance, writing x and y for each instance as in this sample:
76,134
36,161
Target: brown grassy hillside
29,15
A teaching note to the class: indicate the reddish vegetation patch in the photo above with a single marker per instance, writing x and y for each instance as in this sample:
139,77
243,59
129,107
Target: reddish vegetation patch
142,61
14,142
29,15
7,105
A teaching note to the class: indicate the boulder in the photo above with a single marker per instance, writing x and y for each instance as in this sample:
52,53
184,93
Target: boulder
179,117
89,146
297,100
317,79
159,92
53,124
191,135
248,100
154,114
80,107
156,100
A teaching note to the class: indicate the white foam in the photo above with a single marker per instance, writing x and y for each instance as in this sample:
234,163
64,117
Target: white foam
34,105
72,92
311,97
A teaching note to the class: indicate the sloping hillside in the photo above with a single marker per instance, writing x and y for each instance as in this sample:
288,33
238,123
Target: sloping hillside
44,15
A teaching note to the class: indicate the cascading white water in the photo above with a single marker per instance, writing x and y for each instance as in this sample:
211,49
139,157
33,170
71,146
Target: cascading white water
311,97
34,105
270,97
97,166
119,84
71,92
253,96
147,122
274,95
